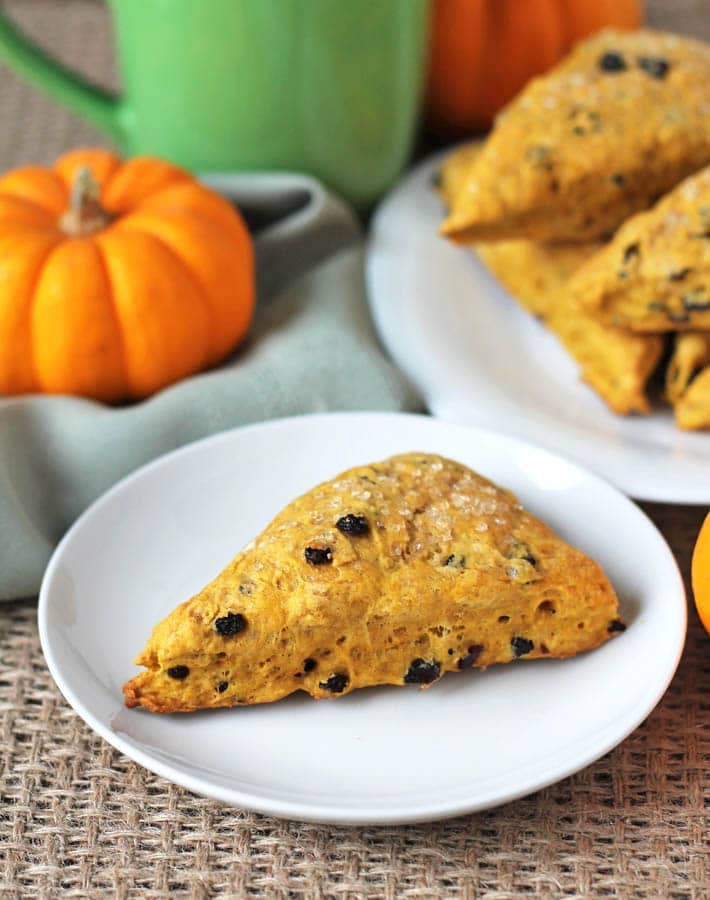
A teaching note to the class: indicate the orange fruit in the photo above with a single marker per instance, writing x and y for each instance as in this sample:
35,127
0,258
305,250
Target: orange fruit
700,573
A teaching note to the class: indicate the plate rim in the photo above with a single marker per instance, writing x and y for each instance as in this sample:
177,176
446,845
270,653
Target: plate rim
441,405
296,810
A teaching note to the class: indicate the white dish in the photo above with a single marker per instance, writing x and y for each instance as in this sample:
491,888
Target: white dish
478,358
382,755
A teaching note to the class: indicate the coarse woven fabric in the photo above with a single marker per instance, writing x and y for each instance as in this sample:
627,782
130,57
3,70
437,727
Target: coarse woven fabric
79,820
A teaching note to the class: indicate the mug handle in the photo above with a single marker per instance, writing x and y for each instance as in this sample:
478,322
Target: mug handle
99,107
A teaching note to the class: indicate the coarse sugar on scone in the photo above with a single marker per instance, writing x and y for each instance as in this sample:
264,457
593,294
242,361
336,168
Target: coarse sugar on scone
394,572
611,128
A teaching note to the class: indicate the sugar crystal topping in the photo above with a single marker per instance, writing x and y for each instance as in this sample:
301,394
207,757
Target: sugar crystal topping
414,505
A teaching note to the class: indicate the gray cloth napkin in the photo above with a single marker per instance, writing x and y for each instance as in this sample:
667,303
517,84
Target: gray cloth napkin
311,348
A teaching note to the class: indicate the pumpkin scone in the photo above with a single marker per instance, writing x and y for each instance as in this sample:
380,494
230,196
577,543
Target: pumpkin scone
536,274
450,178
531,271
391,573
615,363
654,276
688,380
615,125
692,410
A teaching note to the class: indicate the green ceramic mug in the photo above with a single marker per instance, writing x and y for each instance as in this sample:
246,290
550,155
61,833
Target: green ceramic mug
328,87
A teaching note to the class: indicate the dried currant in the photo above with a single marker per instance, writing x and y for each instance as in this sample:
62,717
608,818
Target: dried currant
422,671
539,156
616,625
454,561
474,651
528,556
655,66
318,556
222,686
178,672
611,61
230,624
630,252
336,684
352,524
519,550
521,646
695,301
309,664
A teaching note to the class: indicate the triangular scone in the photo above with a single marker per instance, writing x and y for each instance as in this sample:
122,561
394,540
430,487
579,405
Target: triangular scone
617,123
536,274
615,363
391,573
688,380
654,276
531,271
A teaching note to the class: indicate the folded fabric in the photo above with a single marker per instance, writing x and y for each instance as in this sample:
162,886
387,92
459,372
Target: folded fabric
311,348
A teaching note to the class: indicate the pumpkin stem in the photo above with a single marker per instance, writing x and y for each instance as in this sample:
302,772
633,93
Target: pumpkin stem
85,215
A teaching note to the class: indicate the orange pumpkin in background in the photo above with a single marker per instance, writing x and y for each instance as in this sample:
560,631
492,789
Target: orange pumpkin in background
482,52
116,278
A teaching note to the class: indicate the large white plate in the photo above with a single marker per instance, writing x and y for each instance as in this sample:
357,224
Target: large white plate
378,755
478,358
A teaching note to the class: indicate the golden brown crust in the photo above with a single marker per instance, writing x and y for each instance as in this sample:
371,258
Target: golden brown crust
537,274
655,275
436,569
615,363
453,172
692,410
617,123
688,380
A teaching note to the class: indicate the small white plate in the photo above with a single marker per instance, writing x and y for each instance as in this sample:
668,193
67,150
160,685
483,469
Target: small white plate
478,358
381,755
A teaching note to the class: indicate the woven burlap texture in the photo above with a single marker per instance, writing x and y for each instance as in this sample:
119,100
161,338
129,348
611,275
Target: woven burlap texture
80,820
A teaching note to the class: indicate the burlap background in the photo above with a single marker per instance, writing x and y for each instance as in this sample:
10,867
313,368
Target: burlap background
79,820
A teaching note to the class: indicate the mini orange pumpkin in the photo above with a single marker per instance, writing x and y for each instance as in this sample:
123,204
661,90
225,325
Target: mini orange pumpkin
116,278
482,52
700,573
